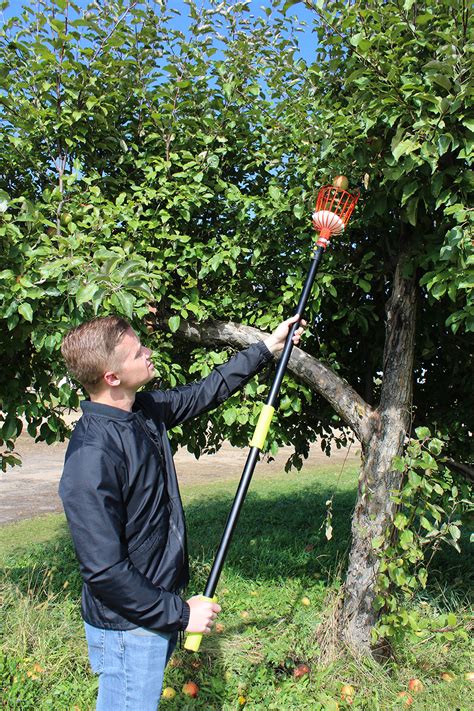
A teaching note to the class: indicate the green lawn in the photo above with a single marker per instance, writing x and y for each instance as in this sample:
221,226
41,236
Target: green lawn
279,556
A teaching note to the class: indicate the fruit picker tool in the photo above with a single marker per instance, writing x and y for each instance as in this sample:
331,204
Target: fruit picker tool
334,207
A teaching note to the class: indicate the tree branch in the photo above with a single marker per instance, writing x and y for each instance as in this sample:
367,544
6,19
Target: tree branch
353,409
464,469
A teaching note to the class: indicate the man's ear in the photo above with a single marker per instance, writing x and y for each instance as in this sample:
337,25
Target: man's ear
111,379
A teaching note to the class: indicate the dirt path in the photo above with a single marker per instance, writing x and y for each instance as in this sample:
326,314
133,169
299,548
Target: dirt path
31,490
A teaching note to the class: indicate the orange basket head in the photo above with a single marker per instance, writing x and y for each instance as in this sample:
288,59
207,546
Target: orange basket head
333,209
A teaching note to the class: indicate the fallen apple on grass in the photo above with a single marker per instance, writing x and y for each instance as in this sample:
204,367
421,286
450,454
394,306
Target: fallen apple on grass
415,686
168,693
301,670
305,601
447,676
405,696
469,676
190,688
347,693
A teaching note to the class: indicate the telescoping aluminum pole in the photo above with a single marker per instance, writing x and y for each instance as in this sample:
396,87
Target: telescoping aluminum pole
333,209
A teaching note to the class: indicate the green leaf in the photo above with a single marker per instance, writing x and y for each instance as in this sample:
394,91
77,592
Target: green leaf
290,3
455,532
400,521
4,201
405,148
412,211
406,539
26,311
275,193
230,416
443,81
9,427
398,463
377,542
423,577
409,189
427,525
435,446
452,619
299,210
126,302
85,293
422,432
173,323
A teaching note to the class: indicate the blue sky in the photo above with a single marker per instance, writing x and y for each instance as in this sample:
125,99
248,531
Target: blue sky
307,39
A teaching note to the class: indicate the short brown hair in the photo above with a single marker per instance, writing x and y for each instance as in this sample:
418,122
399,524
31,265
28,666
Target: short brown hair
88,348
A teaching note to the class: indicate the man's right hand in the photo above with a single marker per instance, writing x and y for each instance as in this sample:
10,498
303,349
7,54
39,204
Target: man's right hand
203,615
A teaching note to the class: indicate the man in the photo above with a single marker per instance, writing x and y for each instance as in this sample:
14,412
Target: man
122,503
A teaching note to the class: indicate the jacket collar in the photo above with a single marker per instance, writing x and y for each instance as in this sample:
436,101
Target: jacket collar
114,413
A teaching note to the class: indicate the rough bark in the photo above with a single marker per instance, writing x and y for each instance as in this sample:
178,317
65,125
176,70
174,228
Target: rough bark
353,409
374,510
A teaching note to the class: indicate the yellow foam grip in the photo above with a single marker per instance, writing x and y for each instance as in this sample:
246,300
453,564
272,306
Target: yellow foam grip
263,425
193,639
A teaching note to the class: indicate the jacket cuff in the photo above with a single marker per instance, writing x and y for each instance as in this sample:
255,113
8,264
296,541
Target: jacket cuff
185,615
266,352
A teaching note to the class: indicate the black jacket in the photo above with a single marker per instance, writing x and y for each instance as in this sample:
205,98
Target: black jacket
122,502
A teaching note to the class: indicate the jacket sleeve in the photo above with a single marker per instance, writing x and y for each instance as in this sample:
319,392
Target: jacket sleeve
91,494
177,405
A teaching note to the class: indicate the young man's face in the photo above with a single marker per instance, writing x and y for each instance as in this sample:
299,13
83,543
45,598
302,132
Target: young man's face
134,367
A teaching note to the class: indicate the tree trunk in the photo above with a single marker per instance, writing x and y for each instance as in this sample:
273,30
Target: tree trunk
374,509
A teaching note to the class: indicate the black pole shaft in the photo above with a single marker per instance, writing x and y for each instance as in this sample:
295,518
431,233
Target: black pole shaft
231,524
252,458
285,356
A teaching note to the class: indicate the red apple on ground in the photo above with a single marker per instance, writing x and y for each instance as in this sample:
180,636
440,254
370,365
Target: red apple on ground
301,670
340,181
190,689
347,692
219,627
168,693
415,686
406,696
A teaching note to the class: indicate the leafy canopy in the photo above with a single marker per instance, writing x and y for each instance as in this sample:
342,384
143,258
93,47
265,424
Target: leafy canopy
141,166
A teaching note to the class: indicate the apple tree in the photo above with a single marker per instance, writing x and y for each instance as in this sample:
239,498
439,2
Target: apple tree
169,176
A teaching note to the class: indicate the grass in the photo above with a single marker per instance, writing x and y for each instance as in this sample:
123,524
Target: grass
279,556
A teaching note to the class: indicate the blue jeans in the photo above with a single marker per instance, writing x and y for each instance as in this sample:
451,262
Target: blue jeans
130,665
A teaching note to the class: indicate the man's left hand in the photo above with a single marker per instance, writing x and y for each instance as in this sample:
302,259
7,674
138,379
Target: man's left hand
276,341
